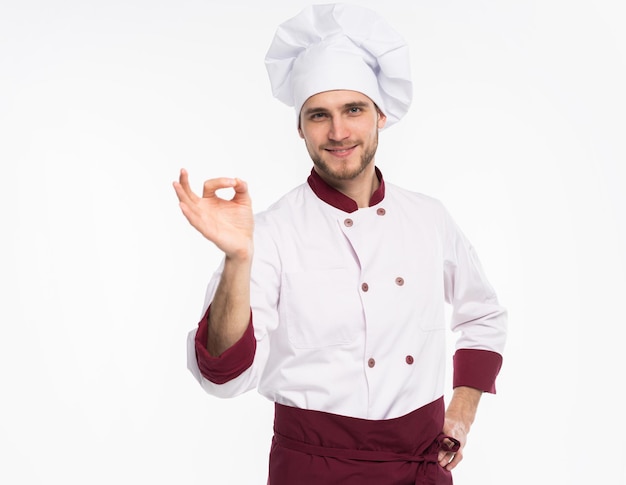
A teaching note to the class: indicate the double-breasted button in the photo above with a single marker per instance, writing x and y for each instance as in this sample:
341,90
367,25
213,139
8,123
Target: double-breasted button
371,362
409,359
399,281
348,222
365,286
380,211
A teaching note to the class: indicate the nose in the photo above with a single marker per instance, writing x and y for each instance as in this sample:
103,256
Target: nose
339,129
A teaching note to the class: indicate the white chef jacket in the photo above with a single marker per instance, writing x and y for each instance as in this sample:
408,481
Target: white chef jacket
348,307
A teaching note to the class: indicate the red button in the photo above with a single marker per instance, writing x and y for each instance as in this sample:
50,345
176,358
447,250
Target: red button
381,212
365,287
409,359
371,363
348,222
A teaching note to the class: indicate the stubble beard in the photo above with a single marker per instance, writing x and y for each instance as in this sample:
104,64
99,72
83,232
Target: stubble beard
345,172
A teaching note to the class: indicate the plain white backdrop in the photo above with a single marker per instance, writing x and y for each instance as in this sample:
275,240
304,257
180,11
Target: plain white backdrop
518,126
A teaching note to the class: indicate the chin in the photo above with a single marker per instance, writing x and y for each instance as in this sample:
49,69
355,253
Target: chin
341,173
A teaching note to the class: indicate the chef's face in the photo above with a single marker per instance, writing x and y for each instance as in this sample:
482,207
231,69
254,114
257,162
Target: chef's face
340,130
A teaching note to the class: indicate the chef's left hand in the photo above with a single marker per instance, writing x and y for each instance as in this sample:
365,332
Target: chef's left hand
457,429
459,418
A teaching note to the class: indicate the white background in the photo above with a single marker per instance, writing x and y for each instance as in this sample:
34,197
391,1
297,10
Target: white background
518,126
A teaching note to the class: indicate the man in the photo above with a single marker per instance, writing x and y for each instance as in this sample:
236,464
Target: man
331,302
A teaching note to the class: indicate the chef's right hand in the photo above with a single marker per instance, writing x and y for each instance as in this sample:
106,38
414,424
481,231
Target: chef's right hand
228,224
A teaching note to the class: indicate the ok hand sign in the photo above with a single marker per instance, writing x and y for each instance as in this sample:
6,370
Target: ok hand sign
228,224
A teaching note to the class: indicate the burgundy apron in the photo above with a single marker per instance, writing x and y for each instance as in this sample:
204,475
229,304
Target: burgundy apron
318,448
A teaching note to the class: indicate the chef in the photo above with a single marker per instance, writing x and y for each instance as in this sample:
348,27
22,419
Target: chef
331,302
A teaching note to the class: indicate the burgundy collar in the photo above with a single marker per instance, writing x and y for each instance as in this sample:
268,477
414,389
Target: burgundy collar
333,197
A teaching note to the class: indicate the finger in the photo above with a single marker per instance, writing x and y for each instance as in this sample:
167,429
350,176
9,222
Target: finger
454,462
185,210
183,178
185,195
183,183
180,192
213,185
444,458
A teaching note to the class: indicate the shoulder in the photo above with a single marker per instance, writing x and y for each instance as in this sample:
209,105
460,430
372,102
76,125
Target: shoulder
287,205
423,204
293,211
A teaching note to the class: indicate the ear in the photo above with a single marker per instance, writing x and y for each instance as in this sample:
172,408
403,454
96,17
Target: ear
382,119
300,132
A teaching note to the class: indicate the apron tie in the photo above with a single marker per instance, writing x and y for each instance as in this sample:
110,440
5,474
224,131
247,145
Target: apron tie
427,459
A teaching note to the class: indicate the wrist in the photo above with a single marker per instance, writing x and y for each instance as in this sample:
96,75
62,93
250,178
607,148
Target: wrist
241,256
463,406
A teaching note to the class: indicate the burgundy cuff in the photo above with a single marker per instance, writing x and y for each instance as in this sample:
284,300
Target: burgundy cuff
233,362
477,369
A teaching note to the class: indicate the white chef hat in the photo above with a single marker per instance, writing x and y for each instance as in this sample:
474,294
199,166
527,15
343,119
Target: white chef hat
340,46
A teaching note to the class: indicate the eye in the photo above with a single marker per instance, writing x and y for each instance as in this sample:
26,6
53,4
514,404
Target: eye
355,110
318,116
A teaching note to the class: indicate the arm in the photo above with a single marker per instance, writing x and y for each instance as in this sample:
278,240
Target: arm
230,309
460,415
229,225
478,316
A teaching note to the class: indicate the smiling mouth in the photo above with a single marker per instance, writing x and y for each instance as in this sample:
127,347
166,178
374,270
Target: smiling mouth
341,151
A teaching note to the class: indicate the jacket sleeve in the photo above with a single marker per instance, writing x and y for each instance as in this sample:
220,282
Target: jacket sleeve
240,367
232,363
476,313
